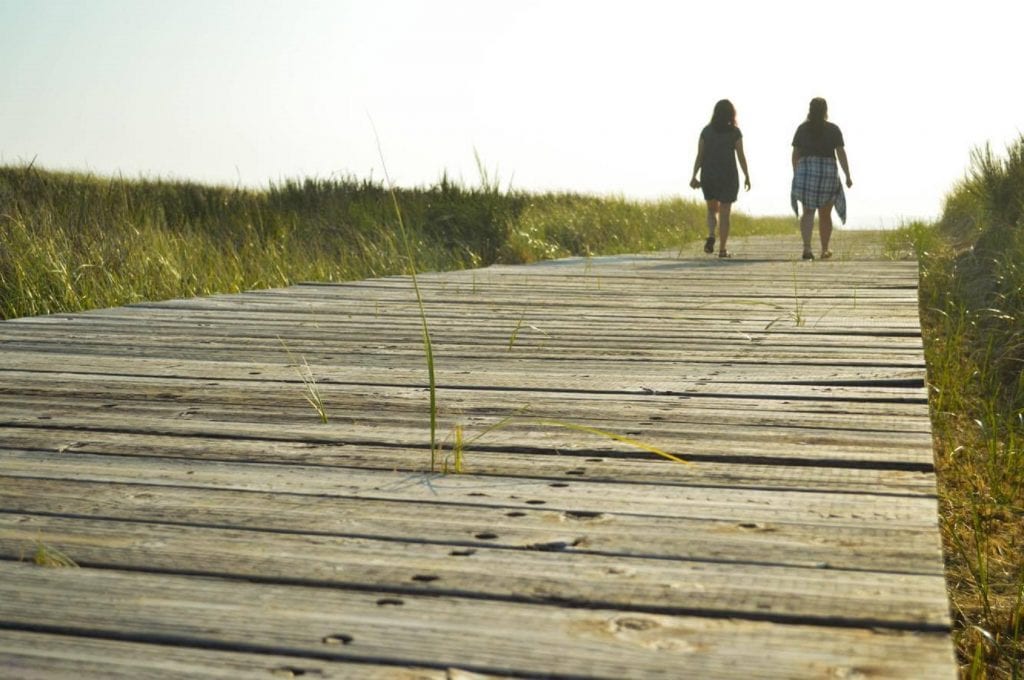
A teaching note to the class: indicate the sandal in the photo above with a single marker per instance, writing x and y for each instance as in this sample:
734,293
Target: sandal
826,254
808,255
709,245
724,253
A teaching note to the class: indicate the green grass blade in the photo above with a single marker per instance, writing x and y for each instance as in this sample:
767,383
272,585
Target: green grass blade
427,344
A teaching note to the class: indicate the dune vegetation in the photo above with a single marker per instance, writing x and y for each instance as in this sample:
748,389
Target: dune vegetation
72,242
972,314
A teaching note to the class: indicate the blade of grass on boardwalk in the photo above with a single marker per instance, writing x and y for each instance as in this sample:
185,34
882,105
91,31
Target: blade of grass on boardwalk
312,390
427,345
617,437
460,446
48,556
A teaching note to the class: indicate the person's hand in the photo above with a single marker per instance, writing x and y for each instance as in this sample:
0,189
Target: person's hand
849,183
746,183
695,183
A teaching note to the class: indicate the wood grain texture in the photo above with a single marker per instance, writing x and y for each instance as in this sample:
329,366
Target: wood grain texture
472,633
222,530
45,656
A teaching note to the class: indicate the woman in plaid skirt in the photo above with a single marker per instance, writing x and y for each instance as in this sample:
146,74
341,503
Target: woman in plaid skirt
720,145
816,146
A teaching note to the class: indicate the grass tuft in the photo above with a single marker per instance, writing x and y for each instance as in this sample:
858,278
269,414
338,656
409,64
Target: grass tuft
311,390
48,556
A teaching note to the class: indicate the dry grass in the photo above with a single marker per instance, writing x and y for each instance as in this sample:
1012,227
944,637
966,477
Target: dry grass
972,313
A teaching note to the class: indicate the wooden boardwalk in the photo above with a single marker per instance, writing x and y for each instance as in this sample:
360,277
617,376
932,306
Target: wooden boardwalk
221,530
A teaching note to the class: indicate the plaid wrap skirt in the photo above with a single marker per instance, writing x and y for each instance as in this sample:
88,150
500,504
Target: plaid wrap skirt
816,183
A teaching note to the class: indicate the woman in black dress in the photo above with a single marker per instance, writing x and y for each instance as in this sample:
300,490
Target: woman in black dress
720,145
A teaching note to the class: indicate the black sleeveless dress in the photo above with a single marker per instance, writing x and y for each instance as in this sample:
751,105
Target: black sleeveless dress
719,178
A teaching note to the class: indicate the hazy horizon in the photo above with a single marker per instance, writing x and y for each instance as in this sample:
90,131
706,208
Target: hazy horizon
596,98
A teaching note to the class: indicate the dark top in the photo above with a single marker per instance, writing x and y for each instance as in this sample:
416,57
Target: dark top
718,175
822,144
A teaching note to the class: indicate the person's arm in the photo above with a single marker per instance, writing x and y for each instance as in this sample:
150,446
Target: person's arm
844,164
797,143
694,182
743,163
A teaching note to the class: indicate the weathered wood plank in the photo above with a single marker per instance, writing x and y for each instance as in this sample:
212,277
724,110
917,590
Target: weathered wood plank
442,631
523,493
46,656
779,323
339,440
293,419
203,375
520,373
546,572
619,308
512,343
503,522
567,465
890,415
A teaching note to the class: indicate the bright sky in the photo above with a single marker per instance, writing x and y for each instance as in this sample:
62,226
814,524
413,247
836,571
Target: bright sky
590,96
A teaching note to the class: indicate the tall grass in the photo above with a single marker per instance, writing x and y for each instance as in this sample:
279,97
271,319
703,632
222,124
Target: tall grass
972,311
70,242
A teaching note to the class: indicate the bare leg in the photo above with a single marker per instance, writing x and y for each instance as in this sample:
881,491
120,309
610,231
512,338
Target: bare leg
712,217
723,226
825,226
807,227
709,245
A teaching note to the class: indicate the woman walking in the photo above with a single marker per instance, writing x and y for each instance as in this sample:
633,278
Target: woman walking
720,145
816,145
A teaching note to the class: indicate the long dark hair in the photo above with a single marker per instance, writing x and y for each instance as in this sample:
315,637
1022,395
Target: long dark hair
724,116
817,114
